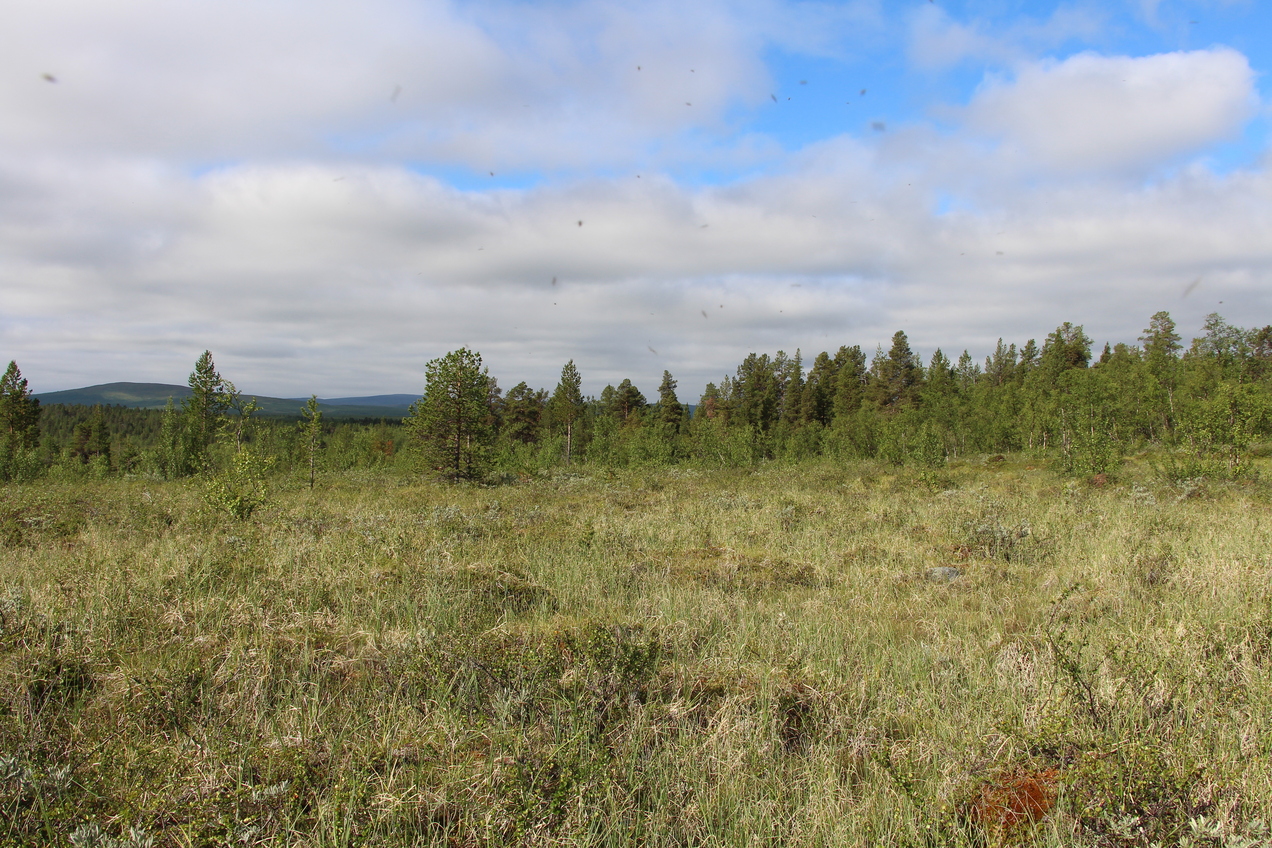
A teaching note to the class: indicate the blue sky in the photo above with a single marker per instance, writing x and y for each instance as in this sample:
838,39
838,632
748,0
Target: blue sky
329,195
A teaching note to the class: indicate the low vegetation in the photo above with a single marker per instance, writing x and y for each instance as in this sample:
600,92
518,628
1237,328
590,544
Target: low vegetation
827,653
1029,604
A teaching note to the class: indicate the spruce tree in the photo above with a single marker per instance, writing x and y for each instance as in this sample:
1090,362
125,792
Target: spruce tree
1000,366
670,412
19,411
566,406
896,376
819,391
100,444
850,381
91,439
204,413
19,422
791,379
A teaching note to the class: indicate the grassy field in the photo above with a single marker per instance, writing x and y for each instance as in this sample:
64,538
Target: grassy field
815,655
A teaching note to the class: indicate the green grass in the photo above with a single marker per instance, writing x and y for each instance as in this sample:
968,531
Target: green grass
669,657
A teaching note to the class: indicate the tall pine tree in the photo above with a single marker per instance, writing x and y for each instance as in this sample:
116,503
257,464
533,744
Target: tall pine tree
452,419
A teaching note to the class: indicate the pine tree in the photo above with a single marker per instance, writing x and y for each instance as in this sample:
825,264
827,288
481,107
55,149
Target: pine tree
710,404
1028,360
756,392
523,411
625,402
452,419
1067,347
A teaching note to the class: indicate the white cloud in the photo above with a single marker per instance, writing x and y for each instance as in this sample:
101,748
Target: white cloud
1095,113
300,283
937,41
489,85
310,256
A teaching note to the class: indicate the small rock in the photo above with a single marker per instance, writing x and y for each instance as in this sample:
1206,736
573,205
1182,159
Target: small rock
944,573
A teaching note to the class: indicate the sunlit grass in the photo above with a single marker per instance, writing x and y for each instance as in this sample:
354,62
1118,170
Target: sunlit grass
822,654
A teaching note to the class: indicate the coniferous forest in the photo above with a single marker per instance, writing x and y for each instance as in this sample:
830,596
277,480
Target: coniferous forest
1206,403
860,599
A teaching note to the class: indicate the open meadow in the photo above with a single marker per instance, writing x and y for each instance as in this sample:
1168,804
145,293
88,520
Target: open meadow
817,654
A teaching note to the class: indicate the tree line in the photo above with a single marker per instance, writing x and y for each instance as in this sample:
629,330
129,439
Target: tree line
1210,402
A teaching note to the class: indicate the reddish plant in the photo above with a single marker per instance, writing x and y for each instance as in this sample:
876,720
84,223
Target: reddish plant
1013,801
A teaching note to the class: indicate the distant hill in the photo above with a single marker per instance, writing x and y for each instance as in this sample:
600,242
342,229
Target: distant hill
403,401
155,396
139,395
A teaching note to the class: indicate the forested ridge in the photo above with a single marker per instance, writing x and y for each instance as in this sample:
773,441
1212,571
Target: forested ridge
1210,401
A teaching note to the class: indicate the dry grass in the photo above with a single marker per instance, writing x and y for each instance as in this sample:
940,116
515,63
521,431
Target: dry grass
655,658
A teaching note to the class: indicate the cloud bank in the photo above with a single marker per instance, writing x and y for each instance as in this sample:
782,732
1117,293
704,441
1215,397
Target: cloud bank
308,191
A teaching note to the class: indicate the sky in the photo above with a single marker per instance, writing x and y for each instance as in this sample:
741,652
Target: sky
328,195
